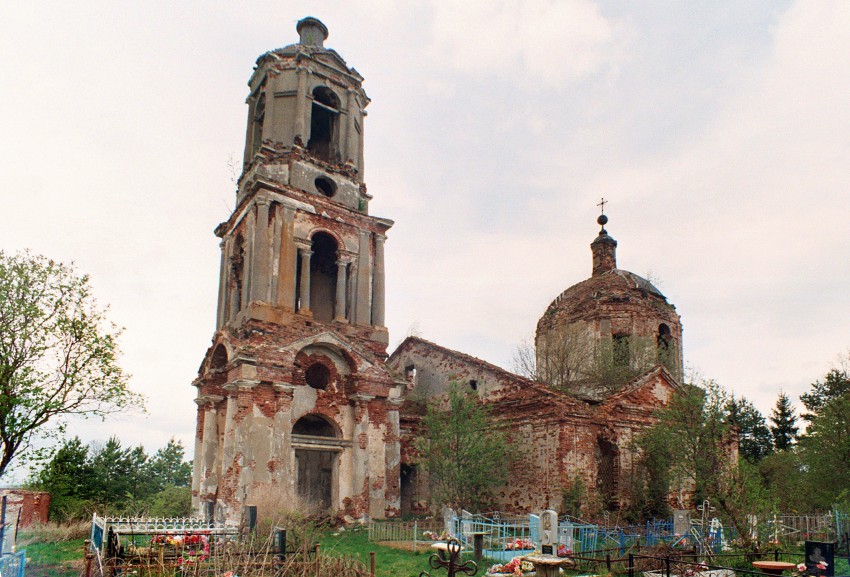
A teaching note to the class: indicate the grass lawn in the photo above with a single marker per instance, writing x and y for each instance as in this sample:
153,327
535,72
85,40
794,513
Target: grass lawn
389,562
57,559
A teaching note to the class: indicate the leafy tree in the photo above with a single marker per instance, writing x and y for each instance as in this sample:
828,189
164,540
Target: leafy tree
836,383
784,475
693,436
754,439
58,353
784,429
463,450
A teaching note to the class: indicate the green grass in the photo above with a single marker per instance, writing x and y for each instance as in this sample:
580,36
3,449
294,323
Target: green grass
57,559
389,562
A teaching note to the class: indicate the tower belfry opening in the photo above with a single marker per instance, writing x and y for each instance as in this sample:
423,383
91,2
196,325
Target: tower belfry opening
323,276
323,124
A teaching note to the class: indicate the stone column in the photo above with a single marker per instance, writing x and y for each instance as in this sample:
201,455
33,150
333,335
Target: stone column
248,264
360,155
348,128
277,231
228,449
288,264
392,494
378,282
260,268
360,452
363,299
281,454
301,105
339,306
207,468
222,287
305,279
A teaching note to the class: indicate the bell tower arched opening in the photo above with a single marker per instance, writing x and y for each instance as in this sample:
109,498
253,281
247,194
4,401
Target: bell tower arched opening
324,115
323,273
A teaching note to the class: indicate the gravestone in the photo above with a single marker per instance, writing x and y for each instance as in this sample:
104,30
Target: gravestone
817,552
548,532
681,521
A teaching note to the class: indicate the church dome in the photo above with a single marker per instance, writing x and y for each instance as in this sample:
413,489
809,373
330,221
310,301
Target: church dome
614,310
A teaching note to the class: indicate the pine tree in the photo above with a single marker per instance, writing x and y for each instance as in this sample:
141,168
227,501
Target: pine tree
754,439
784,429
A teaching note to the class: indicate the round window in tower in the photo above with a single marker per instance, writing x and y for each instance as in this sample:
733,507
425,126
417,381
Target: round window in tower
325,186
317,376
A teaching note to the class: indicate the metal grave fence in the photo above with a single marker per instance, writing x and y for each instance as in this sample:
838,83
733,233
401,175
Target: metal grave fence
13,564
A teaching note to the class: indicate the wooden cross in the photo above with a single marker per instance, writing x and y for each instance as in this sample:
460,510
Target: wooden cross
602,204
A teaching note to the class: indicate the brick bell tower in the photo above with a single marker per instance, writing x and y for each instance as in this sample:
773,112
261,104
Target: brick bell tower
296,408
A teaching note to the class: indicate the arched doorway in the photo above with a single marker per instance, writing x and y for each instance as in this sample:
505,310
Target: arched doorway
316,443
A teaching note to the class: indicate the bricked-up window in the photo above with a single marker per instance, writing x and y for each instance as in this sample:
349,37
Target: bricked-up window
620,353
314,426
323,123
607,472
317,376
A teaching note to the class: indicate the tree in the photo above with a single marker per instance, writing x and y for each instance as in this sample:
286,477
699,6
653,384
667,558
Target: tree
167,467
836,383
58,353
463,450
68,477
826,451
694,438
110,478
784,429
570,357
754,439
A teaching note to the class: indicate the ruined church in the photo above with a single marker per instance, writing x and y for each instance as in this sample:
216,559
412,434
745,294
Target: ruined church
297,398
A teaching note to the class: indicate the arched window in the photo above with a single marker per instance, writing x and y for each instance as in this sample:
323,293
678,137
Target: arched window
219,358
664,337
314,426
324,117
257,123
323,272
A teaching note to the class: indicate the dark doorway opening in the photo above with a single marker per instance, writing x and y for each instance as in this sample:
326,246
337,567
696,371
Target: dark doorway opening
408,489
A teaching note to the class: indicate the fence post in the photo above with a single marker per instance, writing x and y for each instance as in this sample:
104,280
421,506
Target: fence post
776,555
415,534
667,566
89,556
372,563
631,565
608,561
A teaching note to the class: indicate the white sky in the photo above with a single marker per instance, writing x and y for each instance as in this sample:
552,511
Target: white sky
720,133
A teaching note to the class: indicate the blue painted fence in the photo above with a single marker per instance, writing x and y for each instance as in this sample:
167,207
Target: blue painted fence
13,564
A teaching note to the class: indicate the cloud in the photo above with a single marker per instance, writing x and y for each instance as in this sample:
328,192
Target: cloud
546,43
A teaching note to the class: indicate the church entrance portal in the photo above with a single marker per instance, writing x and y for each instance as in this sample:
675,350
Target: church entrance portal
315,476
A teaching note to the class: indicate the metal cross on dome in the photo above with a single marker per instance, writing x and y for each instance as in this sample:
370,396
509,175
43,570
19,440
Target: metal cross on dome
602,204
